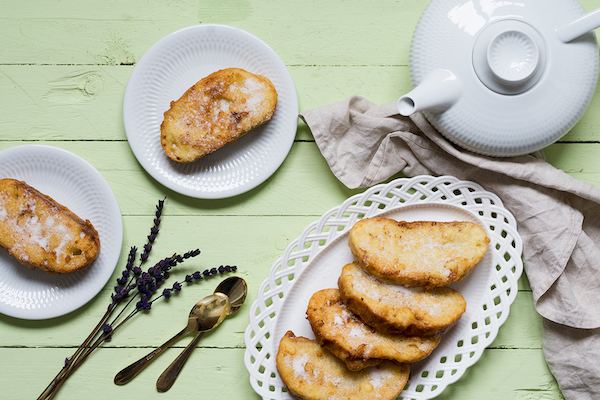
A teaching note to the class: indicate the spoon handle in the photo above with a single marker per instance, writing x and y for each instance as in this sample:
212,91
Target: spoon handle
130,372
168,377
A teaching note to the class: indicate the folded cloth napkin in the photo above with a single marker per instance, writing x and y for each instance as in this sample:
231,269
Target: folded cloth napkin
558,218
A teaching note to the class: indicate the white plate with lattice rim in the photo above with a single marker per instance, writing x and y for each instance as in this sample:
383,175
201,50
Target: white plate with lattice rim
174,64
76,184
314,261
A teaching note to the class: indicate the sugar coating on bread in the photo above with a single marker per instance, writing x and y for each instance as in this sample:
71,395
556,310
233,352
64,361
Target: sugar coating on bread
358,345
43,234
390,308
217,110
311,372
420,253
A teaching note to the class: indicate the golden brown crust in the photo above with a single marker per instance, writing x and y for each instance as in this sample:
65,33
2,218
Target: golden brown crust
43,234
311,372
217,110
420,253
358,345
394,309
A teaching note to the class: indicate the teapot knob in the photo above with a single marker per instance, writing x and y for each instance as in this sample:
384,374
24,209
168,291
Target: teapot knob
513,57
509,56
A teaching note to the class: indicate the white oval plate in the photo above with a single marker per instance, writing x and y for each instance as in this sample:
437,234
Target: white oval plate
314,261
173,65
74,183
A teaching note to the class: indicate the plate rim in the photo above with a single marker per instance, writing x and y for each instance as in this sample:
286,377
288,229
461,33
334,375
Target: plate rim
111,254
291,124
259,334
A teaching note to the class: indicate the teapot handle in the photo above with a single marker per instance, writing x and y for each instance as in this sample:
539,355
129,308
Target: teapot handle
580,26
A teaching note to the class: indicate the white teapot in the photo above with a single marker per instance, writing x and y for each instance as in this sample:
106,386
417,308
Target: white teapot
503,78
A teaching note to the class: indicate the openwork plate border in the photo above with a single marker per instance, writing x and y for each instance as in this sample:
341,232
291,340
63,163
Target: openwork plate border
505,243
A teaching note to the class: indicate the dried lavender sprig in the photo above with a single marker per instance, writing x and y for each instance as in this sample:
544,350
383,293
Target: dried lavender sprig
144,304
147,283
119,294
196,276
153,281
153,232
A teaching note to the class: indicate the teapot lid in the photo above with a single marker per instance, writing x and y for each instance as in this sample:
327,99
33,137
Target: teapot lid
506,108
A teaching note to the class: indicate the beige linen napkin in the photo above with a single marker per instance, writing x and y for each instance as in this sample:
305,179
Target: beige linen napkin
558,218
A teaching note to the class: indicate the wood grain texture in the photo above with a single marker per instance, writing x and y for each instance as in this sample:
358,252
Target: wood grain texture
216,374
64,67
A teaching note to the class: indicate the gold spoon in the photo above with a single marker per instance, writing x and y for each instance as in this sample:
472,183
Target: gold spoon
235,288
130,372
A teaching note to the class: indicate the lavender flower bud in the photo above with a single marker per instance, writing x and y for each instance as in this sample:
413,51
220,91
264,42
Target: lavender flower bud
152,288
192,253
107,329
188,278
143,304
131,258
177,286
167,293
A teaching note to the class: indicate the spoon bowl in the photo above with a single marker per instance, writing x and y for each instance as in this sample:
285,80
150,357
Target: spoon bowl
236,289
209,312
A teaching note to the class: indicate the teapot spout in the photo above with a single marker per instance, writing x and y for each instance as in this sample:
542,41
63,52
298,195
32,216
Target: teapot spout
438,91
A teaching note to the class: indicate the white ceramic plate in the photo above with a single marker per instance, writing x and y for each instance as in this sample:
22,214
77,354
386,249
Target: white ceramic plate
177,62
76,184
314,261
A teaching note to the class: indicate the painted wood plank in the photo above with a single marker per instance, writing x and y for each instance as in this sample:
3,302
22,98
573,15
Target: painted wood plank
338,32
304,185
223,241
68,102
341,33
85,102
521,331
498,375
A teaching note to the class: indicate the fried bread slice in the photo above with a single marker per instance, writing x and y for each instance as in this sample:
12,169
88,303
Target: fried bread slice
311,372
393,309
217,110
358,345
43,234
420,253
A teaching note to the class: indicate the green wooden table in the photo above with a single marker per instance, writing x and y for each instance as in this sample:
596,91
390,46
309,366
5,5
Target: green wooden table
64,65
